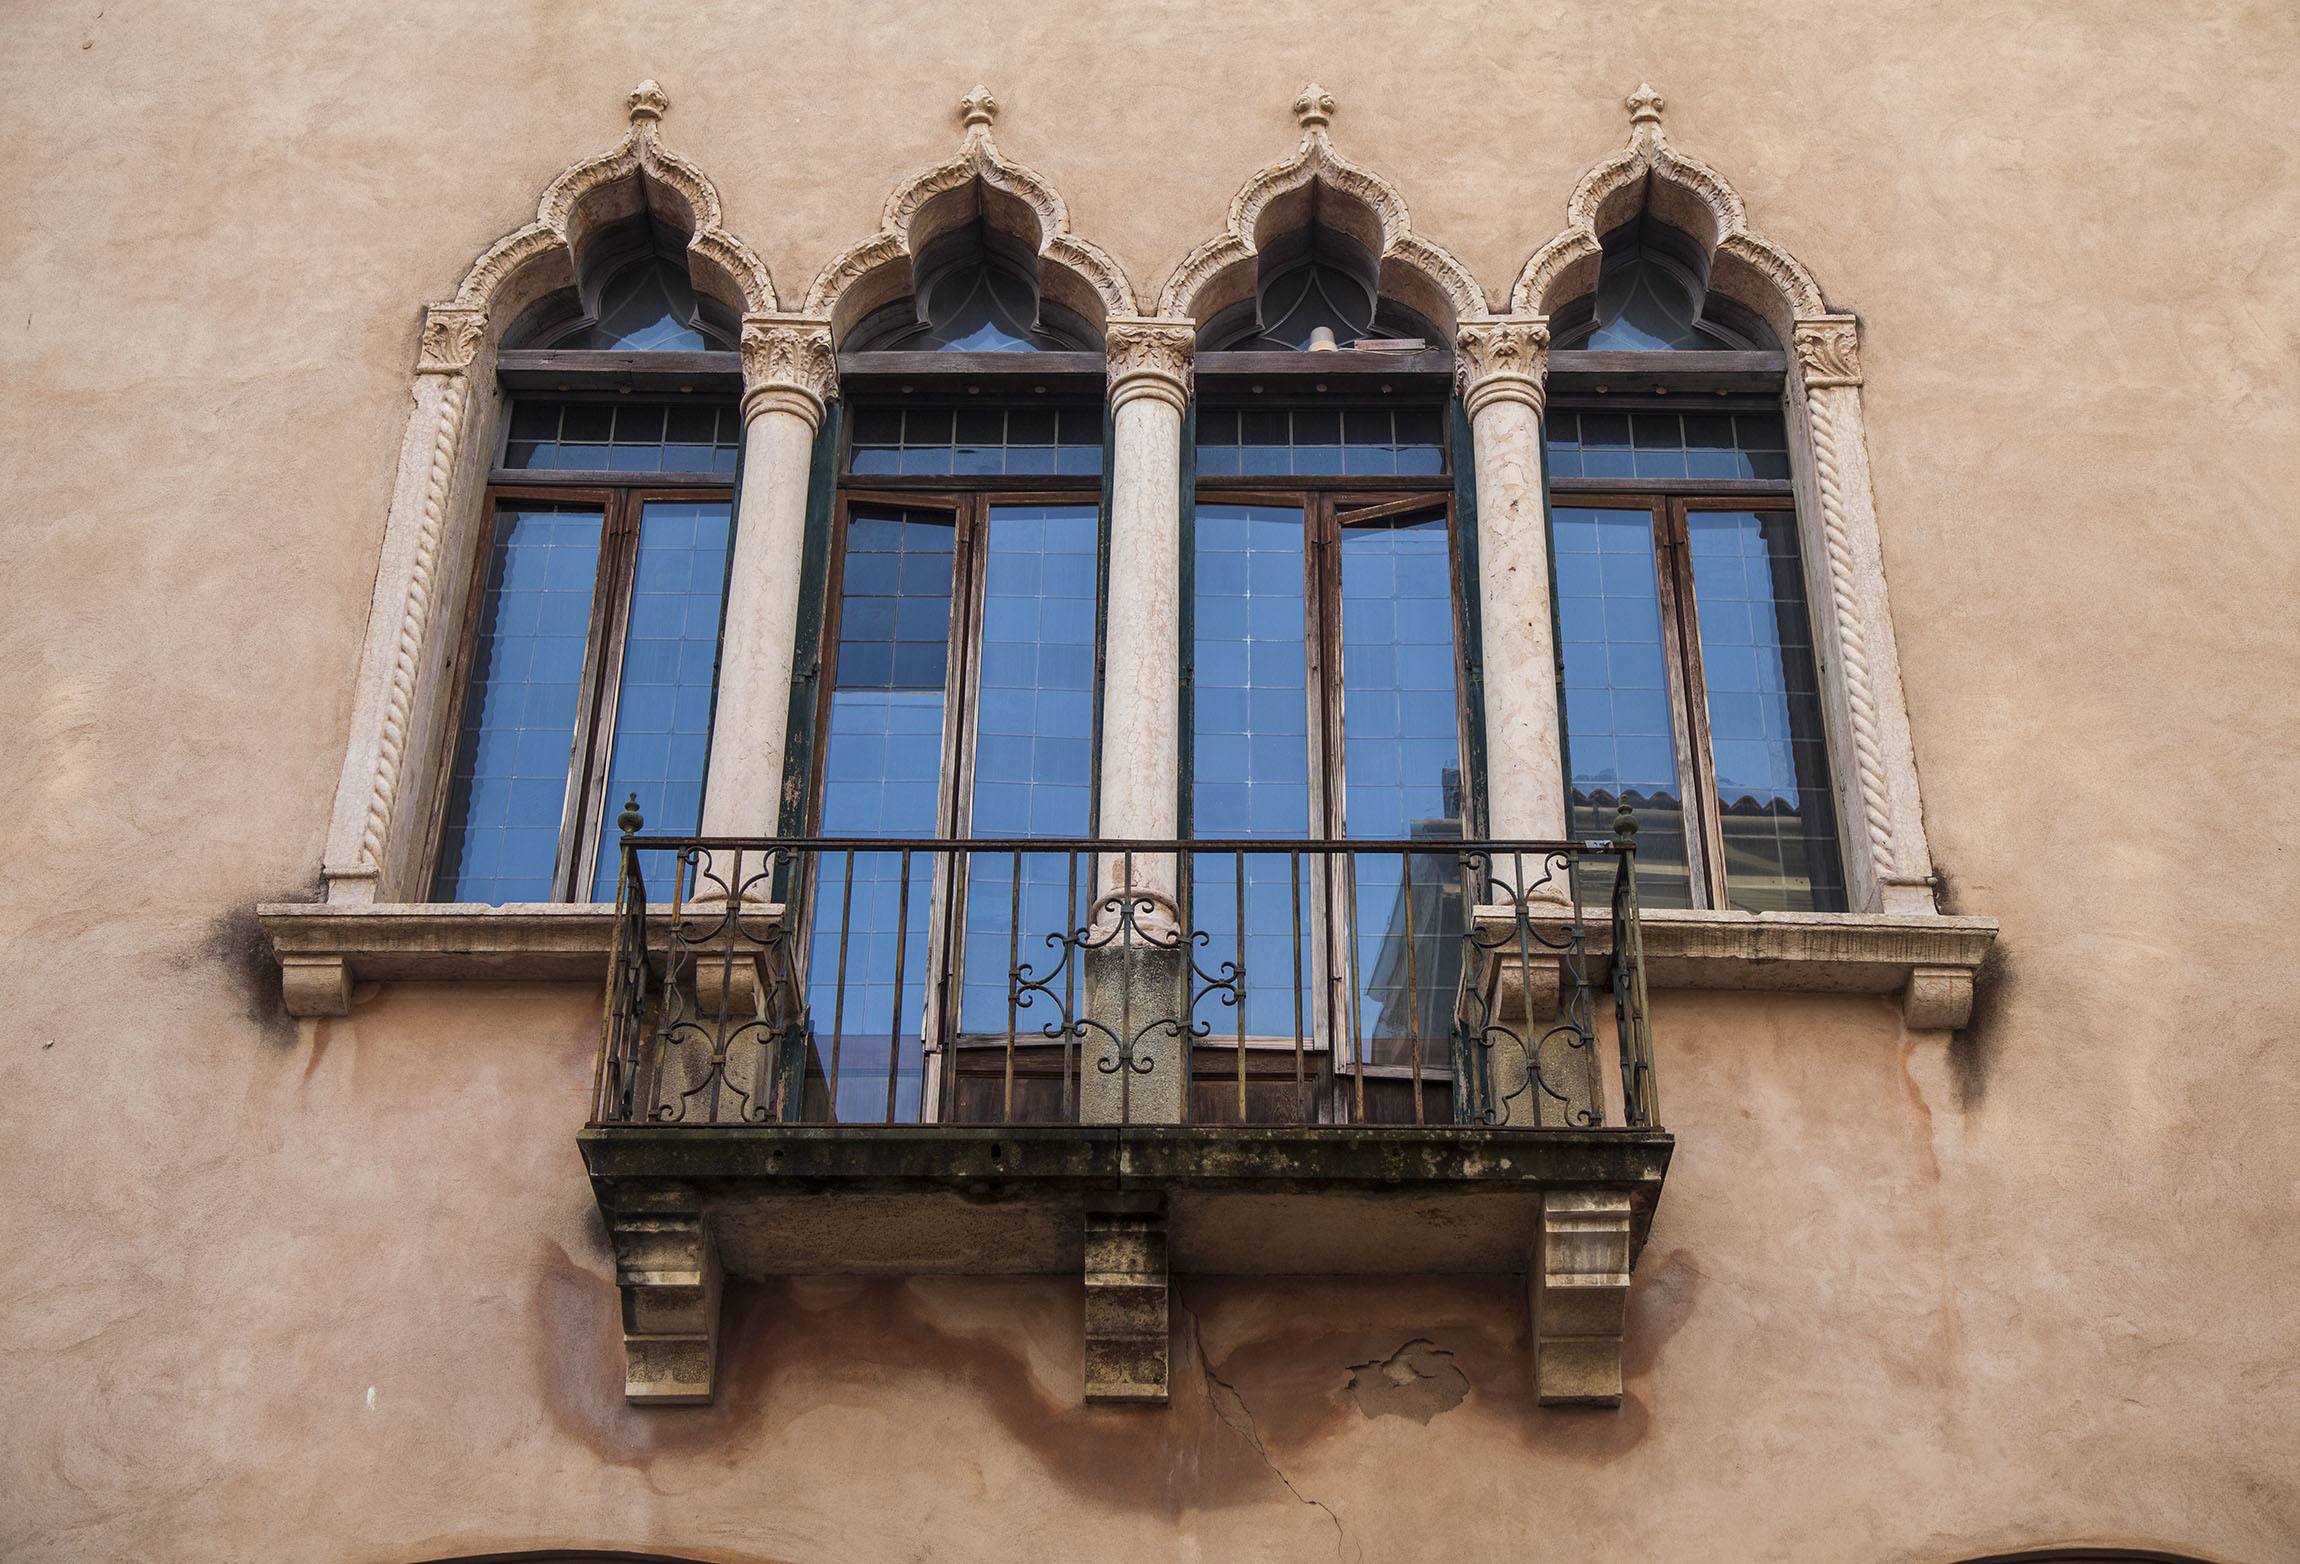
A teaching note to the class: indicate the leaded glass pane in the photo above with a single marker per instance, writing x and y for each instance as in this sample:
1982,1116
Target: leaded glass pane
648,306
1667,445
1765,725
507,790
622,437
881,777
1320,442
1250,752
669,676
976,305
976,441
1620,730
1033,748
1401,761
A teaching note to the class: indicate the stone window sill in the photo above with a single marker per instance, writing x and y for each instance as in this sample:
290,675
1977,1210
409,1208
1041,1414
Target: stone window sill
1929,961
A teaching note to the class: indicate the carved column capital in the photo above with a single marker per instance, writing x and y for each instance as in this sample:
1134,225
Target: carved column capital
1150,357
1501,359
1829,350
788,365
451,337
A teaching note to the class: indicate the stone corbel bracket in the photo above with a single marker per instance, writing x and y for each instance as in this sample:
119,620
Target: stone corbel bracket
667,1270
1887,862
1218,273
1579,1281
374,834
978,180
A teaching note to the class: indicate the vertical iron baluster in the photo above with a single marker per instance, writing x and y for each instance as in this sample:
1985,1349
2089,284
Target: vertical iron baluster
901,954
1301,1084
839,995
719,1042
1413,988
1071,1033
1013,961
1529,1025
1125,938
1240,995
1349,858
953,870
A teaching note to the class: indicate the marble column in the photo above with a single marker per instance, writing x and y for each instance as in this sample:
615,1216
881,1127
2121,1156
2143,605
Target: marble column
1132,1069
789,374
1499,364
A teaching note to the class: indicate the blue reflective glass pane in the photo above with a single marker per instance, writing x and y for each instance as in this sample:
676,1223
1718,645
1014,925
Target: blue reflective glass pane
1774,804
1249,741
677,437
670,660
1620,734
882,777
1401,758
976,441
507,791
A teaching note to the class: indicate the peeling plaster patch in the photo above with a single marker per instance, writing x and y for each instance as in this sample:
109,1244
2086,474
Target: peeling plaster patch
1418,1380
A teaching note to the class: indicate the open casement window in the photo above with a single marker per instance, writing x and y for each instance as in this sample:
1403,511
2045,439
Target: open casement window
1690,683
587,665
1328,702
959,691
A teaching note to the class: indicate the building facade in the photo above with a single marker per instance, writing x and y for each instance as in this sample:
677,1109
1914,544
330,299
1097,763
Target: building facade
1307,785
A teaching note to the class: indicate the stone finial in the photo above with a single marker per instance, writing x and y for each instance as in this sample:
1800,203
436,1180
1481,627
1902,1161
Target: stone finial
648,101
1314,107
978,109
1644,105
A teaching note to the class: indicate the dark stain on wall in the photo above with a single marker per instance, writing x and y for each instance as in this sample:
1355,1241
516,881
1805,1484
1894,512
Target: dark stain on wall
1973,1046
1661,1300
235,942
1299,1362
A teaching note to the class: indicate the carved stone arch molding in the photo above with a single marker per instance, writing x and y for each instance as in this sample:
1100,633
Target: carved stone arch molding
378,831
978,181
1888,865
1423,276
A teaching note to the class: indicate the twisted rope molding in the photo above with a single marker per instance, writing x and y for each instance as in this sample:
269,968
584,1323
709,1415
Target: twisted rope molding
1852,643
414,621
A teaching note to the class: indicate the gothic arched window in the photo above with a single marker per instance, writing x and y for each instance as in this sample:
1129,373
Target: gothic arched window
1691,685
589,663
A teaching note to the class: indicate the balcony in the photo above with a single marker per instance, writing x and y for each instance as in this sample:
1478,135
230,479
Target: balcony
1115,1059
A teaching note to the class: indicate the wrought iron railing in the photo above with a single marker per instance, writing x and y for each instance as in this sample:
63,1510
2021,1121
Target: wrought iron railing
885,981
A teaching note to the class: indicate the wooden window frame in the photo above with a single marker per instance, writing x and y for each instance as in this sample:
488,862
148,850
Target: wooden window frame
1328,503
622,506
969,501
1669,501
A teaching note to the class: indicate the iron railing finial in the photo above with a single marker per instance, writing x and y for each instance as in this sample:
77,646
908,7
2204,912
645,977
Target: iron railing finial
1624,824
630,822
